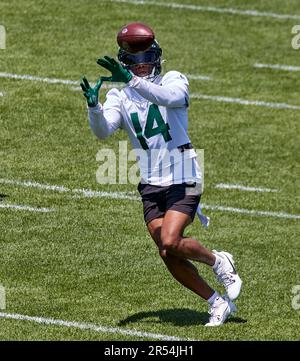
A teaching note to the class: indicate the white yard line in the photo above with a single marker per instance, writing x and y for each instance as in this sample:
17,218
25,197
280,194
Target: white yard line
38,78
90,326
32,184
25,208
192,96
99,194
88,193
244,188
1,94
76,83
277,67
244,101
50,80
252,212
123,195
211,9
198,77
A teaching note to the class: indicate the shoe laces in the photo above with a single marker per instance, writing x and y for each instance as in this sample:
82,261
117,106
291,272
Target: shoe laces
226,278
212,312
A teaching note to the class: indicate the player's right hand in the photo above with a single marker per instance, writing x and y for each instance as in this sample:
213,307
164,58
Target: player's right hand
91,94
118,73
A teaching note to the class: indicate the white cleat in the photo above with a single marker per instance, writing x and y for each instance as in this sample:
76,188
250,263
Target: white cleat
220,310
227,275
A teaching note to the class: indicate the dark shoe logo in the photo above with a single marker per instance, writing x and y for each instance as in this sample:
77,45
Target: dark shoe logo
234,270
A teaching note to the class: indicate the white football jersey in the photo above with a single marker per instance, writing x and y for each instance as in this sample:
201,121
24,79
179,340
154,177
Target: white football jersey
155,116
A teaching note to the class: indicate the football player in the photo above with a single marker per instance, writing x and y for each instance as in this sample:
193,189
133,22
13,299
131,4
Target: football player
152,109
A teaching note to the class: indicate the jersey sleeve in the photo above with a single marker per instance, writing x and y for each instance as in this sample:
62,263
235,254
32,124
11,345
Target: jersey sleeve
107,118
173,91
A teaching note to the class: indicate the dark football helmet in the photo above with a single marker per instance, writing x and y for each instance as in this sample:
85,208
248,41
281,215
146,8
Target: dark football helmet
144,64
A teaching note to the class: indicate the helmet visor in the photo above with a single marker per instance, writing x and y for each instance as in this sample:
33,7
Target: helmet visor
145,57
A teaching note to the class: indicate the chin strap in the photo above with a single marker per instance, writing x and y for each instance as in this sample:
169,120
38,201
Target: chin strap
151,77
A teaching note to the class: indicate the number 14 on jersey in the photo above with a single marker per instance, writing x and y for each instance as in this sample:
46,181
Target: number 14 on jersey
162,127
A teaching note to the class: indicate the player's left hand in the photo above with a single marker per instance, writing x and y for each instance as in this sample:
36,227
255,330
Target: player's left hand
91,94
119,74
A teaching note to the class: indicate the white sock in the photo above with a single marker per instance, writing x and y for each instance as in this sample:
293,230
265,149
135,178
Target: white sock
217,262
212,298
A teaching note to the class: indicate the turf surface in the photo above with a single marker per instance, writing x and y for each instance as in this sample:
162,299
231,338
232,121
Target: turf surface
91,260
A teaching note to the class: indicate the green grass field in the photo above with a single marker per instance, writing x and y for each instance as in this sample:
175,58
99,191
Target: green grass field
91,259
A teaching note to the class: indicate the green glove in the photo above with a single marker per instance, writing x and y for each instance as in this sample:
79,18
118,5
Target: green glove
91,94
119,74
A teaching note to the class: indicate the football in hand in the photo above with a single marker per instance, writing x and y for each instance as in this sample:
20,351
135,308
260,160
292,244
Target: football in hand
135,37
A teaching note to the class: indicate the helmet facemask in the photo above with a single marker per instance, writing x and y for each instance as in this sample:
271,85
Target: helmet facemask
144,64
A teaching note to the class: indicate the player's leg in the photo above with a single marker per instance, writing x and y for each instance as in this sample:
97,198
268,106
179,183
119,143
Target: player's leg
184,199
173,242
181,269
187,274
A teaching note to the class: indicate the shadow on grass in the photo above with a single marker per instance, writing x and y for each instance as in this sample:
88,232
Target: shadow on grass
176,316
236,320
2,196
